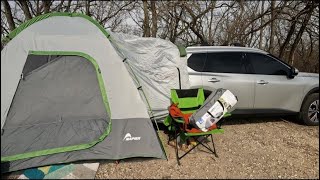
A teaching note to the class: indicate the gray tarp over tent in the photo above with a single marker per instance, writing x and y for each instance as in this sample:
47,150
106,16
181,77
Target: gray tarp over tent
66,95
157,67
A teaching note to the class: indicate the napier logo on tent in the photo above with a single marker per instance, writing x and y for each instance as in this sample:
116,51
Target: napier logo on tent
128,137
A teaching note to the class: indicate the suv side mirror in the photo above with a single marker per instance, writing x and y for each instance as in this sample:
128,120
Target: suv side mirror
294,72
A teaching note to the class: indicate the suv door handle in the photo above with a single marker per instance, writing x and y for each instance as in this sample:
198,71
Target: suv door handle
263,82
213,80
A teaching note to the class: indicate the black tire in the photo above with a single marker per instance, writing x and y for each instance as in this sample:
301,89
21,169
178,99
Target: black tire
309,103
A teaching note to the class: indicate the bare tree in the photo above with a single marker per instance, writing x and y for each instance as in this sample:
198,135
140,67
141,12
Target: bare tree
68,6
272,26
8,13
154,19
261,30
292,29
288,29
195,24
46,6
25,9
146,26
87,5
309,9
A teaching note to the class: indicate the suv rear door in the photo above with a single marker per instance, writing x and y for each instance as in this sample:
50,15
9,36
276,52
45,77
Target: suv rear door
228,70
195,66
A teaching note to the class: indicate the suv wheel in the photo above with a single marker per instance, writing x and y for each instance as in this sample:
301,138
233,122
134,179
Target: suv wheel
310,110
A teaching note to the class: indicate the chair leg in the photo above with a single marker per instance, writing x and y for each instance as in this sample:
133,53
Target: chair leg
214,148
169,137
199,142
207,146
177,155
189,150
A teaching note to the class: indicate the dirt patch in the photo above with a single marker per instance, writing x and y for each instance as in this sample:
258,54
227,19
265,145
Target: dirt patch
249,148
253,148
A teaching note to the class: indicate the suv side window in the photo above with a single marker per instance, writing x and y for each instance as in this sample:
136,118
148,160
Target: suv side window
264,64
196,61
226,62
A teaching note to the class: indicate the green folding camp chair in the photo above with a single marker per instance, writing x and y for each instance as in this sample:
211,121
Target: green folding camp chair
187,101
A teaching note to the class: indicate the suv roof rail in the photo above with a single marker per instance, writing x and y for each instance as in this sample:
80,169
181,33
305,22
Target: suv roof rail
198,49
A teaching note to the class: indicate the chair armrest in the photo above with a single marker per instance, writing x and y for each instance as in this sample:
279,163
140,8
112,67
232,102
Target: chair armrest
179,120
227,114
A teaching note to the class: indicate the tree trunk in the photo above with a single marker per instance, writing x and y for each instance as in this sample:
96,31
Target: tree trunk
193,24
154,19
311,45
25,9
306,10
38,11
59,7
287,40
175,23
68,6
240,38
146,27
46,5
299,35
200,37
8,14
211,42
88,7
272,27
261,30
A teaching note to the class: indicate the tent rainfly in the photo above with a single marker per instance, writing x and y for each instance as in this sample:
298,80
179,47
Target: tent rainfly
68,94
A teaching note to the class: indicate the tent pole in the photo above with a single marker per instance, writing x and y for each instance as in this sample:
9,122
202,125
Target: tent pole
179,78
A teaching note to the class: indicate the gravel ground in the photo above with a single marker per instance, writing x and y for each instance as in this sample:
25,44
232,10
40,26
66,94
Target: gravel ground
249,148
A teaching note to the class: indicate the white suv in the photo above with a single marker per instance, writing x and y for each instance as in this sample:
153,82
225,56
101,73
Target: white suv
263,83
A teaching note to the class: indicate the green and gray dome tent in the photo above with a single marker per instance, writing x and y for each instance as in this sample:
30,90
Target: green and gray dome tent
66,95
